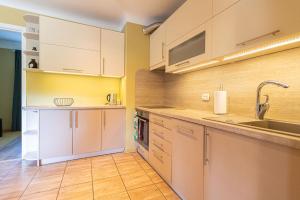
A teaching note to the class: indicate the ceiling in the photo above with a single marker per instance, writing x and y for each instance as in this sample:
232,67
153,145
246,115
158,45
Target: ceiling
112,14
10,36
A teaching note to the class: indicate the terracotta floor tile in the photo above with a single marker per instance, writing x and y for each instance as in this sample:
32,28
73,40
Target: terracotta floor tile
167,191
48,195
40,184
107,186
123,157
82,176
155,178
119,196
76,192
136,179
150,192
105,171
128,167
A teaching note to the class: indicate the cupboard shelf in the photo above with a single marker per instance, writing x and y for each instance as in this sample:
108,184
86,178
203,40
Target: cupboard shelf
31,35
31,19
31,53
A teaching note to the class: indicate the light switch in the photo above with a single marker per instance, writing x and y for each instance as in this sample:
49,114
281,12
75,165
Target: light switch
205,97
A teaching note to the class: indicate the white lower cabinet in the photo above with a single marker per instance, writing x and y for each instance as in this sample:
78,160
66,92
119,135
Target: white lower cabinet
187,160
113,136
55,133
244,168
87,131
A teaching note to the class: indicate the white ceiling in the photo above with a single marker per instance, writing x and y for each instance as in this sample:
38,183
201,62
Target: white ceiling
103,13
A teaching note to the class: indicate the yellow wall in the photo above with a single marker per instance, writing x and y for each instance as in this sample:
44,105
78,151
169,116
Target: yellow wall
86,90
7,71
42,88
136,58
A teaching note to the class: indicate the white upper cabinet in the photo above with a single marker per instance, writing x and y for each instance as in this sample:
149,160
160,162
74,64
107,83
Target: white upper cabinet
69,34
189,16
221,5
249,22
158,47
87,131
113,135
112,53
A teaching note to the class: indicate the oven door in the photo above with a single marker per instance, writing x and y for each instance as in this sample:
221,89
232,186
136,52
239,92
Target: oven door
143,132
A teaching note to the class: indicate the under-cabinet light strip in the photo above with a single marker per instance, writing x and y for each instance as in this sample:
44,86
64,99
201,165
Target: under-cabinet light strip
264,48
196,66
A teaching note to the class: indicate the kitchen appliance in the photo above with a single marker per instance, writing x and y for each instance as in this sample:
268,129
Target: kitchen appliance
142,132
112,98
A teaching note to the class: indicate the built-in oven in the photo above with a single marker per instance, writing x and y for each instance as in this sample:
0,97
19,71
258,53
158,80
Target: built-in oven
142,133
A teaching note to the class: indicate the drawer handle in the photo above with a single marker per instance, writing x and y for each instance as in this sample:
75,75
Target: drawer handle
160,158
159,146
160,135
158,122
258,37
185,131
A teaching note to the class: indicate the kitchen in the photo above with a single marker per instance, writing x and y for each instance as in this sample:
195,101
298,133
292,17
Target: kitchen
200,104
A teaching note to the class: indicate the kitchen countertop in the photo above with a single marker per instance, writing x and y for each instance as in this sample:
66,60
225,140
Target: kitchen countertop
72,107
227,123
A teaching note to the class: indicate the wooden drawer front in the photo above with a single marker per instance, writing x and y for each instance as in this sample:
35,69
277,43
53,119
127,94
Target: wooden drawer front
161,144
161,162
188,129
160,121
160,132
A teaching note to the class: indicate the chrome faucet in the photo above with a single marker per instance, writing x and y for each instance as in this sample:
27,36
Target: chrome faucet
262,108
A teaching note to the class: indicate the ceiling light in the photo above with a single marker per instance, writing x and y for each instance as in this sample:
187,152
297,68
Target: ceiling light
263,48
196,66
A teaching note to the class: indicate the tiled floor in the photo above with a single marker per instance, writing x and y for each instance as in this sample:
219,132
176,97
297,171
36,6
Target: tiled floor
124,176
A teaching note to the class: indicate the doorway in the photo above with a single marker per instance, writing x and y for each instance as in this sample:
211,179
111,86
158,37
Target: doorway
10,92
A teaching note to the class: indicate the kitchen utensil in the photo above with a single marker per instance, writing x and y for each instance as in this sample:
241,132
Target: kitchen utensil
112,98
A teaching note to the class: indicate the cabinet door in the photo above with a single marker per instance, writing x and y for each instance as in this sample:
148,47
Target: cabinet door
187,160
69,60
253,21
55,133
69,34
113,125
243,168
157,48
189,16
112,53
221,5
87,131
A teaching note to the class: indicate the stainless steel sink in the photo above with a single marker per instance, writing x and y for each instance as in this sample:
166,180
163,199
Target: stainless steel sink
276,126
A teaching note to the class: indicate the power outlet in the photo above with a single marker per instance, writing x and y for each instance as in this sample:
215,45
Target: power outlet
205,97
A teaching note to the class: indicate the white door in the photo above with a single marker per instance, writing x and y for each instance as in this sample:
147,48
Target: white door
157,47
244,168
55,133
113,128
112,53
187,160
87,131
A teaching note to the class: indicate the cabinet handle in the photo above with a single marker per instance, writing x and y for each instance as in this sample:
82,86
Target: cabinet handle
185,131
71,119
73,70
162,50
103,65
76,119
104,119
258,37
160,158
205,147
183,63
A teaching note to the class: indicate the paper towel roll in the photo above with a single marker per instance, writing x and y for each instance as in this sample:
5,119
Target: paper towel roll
220,102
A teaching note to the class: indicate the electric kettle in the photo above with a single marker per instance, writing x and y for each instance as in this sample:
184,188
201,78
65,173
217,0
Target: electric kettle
112,98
